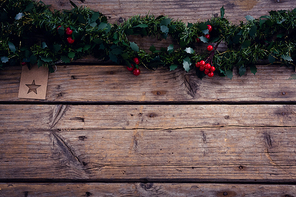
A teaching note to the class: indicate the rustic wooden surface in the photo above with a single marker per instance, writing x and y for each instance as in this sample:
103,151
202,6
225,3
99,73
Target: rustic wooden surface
103,132
271,83
145,190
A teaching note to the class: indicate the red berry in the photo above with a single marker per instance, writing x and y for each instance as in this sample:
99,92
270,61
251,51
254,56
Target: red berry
208,66
202,63
212,69
70,40
211,74
208,36
130,68
136,60
197,40
136,71
197,64
69,31
210,28
207,71
210,48
58,27
23,63
201,68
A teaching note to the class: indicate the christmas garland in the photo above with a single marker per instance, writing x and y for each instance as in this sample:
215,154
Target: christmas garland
32,34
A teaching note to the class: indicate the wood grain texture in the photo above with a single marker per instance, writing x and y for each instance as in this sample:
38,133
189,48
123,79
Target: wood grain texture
42,117
188,11
116,84
197,154
145,190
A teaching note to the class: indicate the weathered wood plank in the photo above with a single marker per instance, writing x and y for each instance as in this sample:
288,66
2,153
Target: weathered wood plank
116,84
144,116
198,154
144,189
188,11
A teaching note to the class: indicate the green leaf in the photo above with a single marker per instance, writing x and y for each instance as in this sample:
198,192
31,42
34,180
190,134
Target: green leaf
46,59
95,16
11,47
279,35
164,29
253,69
65,59
170,48
250,18
116,51
61,31
189,50
202,26
287,58
86,47
33,59
253,30
141,26
203,39
4,59
242,70
102,26
186,64
79,49
165,21
39,63
205,31
222,12
173,67
29,7
19,16
93,24
71,55
229,74
56,47
152,48
43,45
246,44
134,46
113,57
271,58
73,4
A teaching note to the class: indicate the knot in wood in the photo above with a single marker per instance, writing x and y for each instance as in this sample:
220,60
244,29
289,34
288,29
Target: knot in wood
225,193
241,167
283,93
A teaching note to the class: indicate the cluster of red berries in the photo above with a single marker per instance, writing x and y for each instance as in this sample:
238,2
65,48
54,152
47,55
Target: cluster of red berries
210,28
206,67
136,71
69,32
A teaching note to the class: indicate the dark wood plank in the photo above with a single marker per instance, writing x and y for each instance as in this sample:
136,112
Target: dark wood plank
188,11
144,189
116,84
195,154
144,116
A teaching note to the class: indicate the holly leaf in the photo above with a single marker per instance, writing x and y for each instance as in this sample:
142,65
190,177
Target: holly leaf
229,74
253,69
86,47
246,44
33,59
102,26
173,67
253,30
116,51
95,16
250,18
222,12
71,55
93,24
189,50
11,47
113,57
43,45
134,46
203,39
242,70
271,58
287,58
65,59
46,59
170,48
39,63
186,64
56,47
205,31
165,21
79,49
18,16
4,59
164,29
29,7
152,48
141,26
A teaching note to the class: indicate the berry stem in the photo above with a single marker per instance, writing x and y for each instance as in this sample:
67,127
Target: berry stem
210,58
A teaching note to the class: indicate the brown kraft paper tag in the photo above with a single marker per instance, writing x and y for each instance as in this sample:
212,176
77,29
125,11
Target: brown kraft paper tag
33,83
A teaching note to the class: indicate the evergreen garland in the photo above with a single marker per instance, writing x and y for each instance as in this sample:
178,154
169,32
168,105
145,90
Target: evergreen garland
31,33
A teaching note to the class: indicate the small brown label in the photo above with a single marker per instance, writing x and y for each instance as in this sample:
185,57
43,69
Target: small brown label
33,83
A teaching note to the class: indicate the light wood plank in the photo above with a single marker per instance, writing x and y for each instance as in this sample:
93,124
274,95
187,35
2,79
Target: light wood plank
144,189
116,84
198,154
188,11
144,116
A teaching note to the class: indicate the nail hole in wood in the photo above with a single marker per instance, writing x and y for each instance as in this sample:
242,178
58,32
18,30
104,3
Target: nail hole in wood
225,193
241,167
283,93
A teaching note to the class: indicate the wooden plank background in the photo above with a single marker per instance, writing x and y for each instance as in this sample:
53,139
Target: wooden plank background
103,132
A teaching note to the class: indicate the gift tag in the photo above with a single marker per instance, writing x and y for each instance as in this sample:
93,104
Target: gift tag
33,83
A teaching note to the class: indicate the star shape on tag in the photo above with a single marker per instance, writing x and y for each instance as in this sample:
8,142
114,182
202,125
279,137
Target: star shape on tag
32,87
